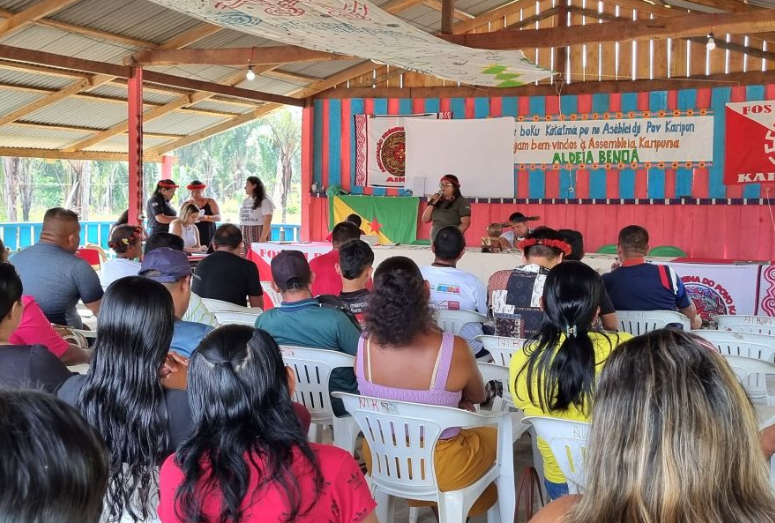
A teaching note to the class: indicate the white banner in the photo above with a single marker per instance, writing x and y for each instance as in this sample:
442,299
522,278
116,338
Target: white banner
720,288
685,139
386,149
359,28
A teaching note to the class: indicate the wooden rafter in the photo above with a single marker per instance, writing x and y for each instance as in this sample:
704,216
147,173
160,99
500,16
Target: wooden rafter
459,14
674,27
20,20
55,154
241,57
61,127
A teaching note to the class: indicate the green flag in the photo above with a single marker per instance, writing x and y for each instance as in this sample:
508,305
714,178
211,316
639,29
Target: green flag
392,218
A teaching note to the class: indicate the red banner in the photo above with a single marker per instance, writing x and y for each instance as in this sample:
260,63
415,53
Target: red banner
750,143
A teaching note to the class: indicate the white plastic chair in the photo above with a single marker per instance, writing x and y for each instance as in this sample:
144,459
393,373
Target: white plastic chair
755,324
501,348
641,322
752,373
313,371
746,344
568,441
493,372
273,295
237,318
402,439
224,306
454,321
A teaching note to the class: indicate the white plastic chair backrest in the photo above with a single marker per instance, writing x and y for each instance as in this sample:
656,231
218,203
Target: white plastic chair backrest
237,318
746,344
752,373
755,324
224,306
568,441
402,438
313,370
493,372
501,348
454,321
641,322
275,296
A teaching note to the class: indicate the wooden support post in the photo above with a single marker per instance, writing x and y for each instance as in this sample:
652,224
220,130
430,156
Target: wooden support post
306,170
167,161
135,148
447,16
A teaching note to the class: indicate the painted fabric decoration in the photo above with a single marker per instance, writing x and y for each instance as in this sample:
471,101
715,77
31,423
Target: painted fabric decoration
393,220
380,154
719,289
359,28
750,142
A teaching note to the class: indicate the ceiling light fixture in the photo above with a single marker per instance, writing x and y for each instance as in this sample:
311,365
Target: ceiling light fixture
711,45
250,75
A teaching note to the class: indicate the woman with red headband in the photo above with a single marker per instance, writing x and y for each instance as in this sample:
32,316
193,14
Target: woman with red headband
211,214
447,207
160,212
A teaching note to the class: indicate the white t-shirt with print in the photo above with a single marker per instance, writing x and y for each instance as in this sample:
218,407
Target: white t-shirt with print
456,289
250,216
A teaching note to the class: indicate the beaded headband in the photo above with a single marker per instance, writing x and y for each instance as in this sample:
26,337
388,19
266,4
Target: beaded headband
556,244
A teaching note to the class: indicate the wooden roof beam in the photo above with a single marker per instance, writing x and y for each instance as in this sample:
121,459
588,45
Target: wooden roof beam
22,19
60,127
238,57
674,27
459,14
55,154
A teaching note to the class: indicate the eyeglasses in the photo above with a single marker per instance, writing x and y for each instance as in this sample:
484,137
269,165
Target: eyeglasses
443,185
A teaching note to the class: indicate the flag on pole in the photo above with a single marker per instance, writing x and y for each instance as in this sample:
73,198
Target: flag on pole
393,219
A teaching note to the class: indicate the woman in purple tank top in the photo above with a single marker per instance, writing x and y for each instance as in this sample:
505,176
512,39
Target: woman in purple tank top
402,355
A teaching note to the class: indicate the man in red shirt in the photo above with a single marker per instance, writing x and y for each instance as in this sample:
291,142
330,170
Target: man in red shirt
327,280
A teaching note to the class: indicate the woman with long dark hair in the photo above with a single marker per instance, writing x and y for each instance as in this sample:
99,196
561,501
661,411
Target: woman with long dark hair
555,372
673,440
255,215
402,355
248,459
447,207
159,211
122,394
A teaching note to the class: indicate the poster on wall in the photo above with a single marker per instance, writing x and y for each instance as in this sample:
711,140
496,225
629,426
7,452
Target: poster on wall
677,141
380,148
750,142
720,288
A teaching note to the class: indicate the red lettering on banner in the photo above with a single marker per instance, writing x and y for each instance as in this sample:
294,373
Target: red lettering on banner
708,282
690,279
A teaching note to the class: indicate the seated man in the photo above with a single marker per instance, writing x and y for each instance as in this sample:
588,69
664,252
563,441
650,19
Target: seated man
607,312
515,295
641,286
453,288
171,269
196,312
225,275
52,273
519,229
301,320
327,281
355,266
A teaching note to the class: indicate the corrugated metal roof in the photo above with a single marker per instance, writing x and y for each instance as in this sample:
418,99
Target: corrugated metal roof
207,73
227,38
267,84
321,70
179,123
214,105
44,81
17,136
118,144
17,5
12,100
79,111
134,18
117,91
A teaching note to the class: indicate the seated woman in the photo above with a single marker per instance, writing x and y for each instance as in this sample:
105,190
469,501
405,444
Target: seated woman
23,365
673,440
54,465
123,394
184,226
562,361
400,328
126,242
248,459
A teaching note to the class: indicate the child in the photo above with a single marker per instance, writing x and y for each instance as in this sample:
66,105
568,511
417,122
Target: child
494,242
355,265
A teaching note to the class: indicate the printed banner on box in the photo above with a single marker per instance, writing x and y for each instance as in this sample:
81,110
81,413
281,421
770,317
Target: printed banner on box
750,143
720,288
616,142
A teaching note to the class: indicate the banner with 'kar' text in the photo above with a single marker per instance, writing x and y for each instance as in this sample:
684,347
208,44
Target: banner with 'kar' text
624,142
750,142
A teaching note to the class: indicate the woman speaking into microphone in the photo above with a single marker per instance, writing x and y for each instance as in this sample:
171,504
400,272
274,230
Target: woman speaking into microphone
447,207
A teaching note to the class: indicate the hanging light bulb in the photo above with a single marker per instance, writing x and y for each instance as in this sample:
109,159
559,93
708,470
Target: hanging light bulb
250,75
711,45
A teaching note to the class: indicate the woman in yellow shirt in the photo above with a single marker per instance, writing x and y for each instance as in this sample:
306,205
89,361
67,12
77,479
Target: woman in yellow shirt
562,362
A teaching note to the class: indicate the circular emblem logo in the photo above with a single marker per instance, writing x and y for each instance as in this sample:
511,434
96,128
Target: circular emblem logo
392,152
709,303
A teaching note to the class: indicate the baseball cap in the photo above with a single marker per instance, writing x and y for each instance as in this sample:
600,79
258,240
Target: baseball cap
290,269
165,265
518,217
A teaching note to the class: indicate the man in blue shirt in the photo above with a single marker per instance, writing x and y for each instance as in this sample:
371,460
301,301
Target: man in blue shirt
170,268
641,286
300,320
